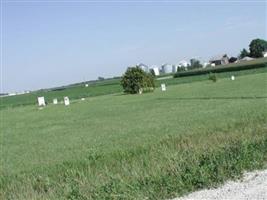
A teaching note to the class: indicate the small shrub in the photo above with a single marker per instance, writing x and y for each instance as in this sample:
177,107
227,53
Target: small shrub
213,77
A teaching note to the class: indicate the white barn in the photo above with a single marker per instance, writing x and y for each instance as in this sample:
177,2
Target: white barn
183,63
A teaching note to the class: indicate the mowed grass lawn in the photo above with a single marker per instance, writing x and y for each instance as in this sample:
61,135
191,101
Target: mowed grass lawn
156,145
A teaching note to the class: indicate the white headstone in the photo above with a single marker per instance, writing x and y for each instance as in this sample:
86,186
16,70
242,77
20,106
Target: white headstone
82,99
86,85
66,101
232,78
41,101
54,101
163,87
140,91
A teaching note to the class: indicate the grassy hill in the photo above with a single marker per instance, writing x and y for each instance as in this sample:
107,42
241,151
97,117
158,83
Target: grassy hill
77,91
98,88
152,146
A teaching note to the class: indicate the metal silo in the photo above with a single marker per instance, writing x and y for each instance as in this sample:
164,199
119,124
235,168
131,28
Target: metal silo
167,68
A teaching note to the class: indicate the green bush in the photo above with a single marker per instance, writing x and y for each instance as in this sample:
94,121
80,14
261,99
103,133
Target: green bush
135,80
213,77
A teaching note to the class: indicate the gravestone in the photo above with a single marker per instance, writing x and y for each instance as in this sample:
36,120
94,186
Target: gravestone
82,99
163,87
55,101
41,101
232,78
66,101
86,85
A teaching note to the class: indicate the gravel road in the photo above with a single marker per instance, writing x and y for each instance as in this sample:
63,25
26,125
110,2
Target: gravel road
253,186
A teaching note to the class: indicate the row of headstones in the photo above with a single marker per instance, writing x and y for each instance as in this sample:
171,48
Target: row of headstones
163,86
42,102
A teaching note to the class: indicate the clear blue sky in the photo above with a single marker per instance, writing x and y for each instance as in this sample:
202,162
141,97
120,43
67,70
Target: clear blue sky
47,44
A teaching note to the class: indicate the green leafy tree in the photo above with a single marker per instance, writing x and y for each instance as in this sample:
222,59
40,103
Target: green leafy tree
243,53
256,47
135,80
101,78
195,64
181,69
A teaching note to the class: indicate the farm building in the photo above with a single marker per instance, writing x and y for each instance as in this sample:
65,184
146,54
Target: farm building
247,58
174,68
220,60
205,64
143,67
155,70
183,63
166,68
12,94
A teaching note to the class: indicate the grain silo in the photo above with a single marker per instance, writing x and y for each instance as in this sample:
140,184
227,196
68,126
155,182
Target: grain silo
174,68
143,67
166,68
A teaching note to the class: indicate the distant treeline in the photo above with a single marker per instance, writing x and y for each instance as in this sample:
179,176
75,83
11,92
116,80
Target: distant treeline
3,94
258,63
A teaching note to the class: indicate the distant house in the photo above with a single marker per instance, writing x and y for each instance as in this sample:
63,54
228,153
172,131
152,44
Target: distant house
183,63
247,58
220,60
174,68
205,64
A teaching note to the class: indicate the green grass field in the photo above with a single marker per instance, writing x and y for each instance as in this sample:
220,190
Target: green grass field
152,146
78,91
73,92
